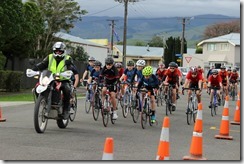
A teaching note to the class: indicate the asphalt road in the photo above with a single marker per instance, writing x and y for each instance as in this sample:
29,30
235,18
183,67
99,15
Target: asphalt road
84,138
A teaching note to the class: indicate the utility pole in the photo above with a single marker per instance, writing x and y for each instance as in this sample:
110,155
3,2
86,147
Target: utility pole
125,26
182,39
112,36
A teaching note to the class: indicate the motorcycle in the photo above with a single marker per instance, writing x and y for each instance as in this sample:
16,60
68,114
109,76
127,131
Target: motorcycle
49,103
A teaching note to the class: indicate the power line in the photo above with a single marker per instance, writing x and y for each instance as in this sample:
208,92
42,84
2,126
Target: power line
102,10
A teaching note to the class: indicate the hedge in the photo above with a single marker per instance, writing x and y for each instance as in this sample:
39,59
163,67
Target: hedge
10,80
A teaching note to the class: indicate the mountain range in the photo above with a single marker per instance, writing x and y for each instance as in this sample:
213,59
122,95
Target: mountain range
143,29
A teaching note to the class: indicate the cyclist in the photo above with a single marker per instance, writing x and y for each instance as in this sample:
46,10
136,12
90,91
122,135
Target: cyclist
160,72
128,74
229,72
55,62
233,79
150,82
120,68
214,81
94,75
89,68
224,76
172,78
140,64
111,76
210,71
193,80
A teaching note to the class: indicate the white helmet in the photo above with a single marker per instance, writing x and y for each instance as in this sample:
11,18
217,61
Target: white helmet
59,49
141,63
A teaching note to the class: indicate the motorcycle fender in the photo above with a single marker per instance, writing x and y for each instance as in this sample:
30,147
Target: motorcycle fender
41,88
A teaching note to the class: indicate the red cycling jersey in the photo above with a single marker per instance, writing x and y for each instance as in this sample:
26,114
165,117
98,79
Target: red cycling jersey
173,77
233,77
223,76
194,79
215,81
160,73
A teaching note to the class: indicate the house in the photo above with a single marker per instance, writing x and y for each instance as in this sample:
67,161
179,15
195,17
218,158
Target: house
98,51
222,50
152,55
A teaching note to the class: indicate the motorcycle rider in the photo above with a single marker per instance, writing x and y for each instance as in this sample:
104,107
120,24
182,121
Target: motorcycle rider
56,62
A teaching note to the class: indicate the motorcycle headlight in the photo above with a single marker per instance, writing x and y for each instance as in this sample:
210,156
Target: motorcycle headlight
45,81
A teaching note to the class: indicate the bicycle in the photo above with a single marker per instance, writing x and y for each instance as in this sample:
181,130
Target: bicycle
223,95
96,102
146,112
119,96
192,105
160,96
128,100
106,110
215,103
73,104
232,91
169,99
89,95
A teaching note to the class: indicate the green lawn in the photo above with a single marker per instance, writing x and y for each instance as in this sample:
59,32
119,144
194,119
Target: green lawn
21,96
16,97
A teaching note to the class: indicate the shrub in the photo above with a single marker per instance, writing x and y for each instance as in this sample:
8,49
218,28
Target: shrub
10,80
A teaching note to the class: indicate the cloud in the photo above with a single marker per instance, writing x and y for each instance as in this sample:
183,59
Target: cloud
162,8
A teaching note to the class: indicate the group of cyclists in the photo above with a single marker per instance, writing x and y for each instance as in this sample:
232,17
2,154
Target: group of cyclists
139,75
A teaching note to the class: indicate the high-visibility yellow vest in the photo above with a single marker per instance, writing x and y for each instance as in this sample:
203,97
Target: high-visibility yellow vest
61,67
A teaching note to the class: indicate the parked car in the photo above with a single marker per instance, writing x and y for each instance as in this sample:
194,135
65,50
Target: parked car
183,71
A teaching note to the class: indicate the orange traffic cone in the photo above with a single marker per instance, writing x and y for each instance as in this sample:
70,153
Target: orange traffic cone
1,118
196,142
224,126
237,112
163,147
108,149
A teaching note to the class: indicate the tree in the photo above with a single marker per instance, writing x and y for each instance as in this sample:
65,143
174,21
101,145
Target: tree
156,42
59,15
223,28
173,48
79,54
21,26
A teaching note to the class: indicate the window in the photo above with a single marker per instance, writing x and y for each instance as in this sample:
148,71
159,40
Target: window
211,47
224,47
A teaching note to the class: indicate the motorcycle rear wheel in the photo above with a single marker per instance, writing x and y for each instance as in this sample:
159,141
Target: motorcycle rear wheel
40,121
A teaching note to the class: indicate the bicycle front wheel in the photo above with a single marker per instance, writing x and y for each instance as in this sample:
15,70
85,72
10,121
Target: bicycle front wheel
87,102
73,108
125,108
136,112
96,107
189,114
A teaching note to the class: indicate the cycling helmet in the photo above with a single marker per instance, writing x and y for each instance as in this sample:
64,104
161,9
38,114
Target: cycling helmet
161,65
214,71
118,65
193,69
91,59
141,63
234,70
109,60
173,64
229,69
198,66
222,67
147,71
59,50
130,63
97,63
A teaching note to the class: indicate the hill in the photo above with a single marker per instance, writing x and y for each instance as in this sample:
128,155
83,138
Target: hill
144,29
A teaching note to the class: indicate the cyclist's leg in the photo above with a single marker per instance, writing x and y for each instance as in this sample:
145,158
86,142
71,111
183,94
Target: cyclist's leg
153,108
211,97
198,96
104,89
112,91
219,96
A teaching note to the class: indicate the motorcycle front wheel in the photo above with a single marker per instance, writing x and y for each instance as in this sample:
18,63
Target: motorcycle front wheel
40,121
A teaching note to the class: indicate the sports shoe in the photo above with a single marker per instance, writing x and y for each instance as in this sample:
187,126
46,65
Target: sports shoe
210,105
153,119
177,96
115,116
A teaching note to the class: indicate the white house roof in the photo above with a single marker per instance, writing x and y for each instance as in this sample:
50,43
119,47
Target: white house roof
76,39
232,38
142,51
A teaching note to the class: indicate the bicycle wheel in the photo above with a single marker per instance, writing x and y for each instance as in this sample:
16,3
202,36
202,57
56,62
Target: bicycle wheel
144,117
125,108
136,112
223,99
96,106
73,108
195,109
111,118
87,102
189,114
233,94
149,113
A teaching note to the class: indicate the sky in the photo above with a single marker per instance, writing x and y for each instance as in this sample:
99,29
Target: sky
162,8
